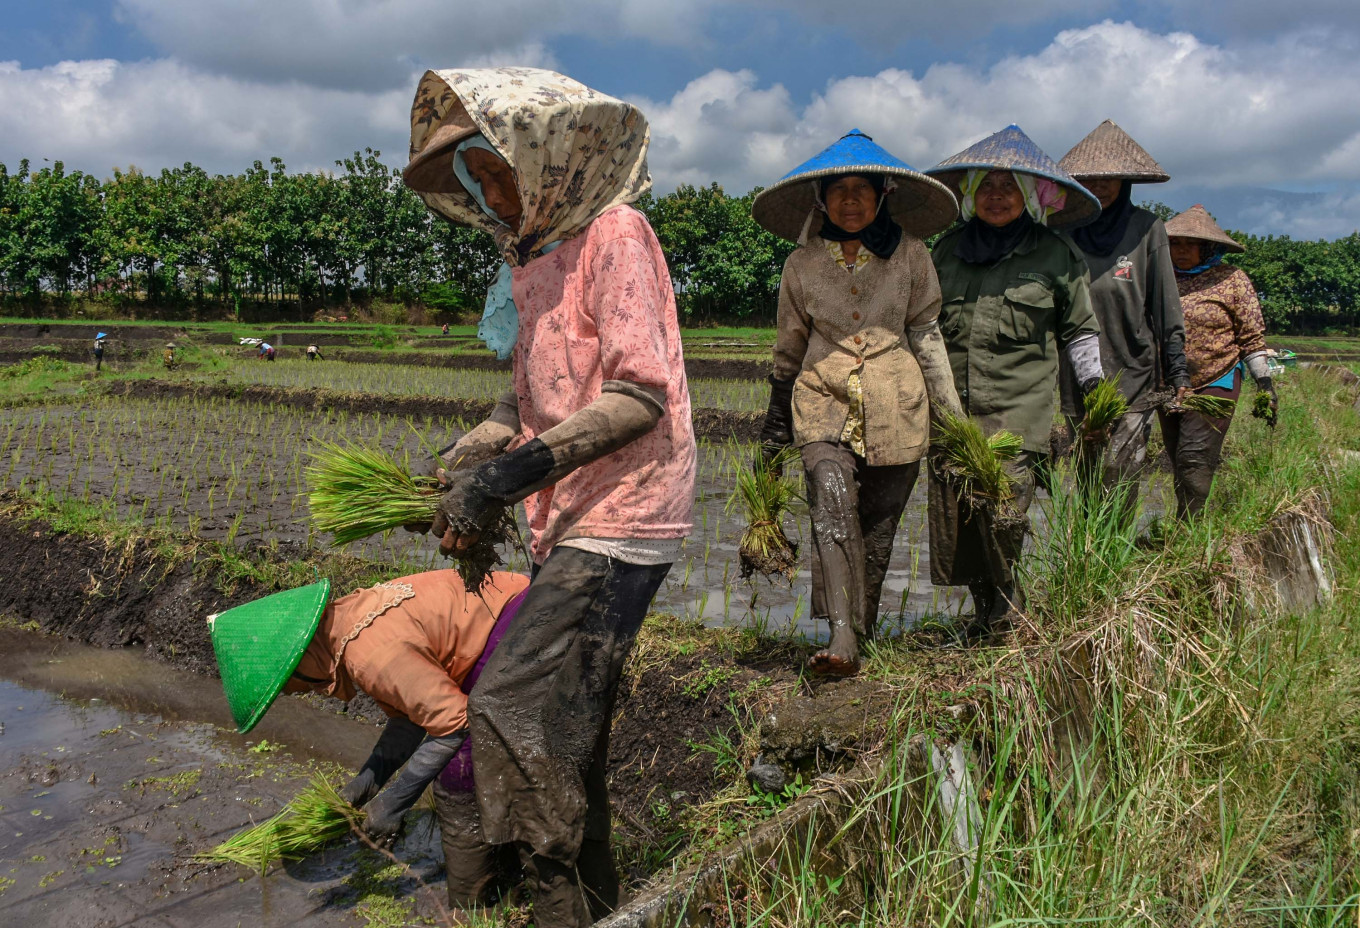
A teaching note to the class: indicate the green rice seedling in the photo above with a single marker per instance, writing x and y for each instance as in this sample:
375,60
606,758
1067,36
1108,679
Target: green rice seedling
1260,406
356,492
976,461
764,494
316,818
1213,407
1104,405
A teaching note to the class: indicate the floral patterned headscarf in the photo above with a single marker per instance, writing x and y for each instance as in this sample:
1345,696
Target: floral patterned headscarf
575,152
1043,197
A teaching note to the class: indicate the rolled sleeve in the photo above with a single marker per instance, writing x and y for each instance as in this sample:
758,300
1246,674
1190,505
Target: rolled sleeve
626,303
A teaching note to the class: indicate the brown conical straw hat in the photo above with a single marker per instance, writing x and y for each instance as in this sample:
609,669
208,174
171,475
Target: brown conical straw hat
1111,152
1196,223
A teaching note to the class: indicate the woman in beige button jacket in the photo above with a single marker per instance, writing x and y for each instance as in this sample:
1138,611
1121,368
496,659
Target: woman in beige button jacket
858,362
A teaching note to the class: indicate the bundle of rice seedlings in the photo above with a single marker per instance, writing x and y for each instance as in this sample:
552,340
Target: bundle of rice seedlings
1105,405
764,494
975,461
1214,407
316,818
1260,406
356,492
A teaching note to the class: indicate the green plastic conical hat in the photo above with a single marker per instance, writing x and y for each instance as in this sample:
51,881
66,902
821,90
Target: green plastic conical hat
259,644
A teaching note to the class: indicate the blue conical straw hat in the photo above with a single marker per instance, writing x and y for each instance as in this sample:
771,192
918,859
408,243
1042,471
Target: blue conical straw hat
921,205
1012,150
259,644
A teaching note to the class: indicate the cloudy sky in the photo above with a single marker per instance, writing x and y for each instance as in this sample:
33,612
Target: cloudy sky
1251,105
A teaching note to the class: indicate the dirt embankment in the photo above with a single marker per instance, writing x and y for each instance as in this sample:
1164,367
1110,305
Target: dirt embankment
709,424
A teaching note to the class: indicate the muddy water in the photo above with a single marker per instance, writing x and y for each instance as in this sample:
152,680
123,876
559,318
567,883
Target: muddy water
114,771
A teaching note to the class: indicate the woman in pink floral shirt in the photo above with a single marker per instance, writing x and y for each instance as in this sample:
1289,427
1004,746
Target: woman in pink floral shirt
596,439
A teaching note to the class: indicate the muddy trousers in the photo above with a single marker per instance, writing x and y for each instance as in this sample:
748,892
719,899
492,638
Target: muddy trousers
539,719
1123,457
479,873
1194,443
855,511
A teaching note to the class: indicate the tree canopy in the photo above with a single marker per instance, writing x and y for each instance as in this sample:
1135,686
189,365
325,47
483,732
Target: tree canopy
317,239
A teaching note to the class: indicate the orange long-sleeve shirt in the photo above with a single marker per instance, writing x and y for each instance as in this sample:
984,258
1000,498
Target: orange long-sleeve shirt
409,643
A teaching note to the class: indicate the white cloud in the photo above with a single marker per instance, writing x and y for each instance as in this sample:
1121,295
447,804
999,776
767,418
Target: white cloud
1283,114
99,113
1214,115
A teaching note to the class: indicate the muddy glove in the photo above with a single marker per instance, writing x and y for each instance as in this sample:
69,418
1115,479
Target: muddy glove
479,445
383,816
395,746
928,345
1258,366
623,413
777,432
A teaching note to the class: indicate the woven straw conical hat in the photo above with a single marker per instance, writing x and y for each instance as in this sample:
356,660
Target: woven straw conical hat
259,644
1012,150
921,205
1111,152
1196,223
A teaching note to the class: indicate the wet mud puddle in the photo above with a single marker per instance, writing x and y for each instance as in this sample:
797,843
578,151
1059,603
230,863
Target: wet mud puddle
115,771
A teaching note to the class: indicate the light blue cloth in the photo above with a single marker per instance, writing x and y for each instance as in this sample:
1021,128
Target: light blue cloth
499,327
1228,379
1201,268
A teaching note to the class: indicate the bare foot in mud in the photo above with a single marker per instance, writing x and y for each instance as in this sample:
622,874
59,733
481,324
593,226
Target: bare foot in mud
840,658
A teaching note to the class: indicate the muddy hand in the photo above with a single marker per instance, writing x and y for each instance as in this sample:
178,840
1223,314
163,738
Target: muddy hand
466,508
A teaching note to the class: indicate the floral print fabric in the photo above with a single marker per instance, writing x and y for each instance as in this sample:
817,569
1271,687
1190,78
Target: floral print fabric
1223,322
601,308
576,152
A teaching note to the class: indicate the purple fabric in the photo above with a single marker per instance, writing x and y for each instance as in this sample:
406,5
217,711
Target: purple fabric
457,776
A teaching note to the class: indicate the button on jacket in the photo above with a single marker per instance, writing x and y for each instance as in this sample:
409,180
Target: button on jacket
833,323
1004,325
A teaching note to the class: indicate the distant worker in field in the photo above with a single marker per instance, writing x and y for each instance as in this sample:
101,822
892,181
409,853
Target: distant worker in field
1224,333
168,357
266,351
1133,294
417,645
858,363
1015,294
314,353
444,330
603,445
99,350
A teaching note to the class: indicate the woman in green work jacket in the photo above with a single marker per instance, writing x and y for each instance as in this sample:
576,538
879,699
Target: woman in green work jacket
1014,294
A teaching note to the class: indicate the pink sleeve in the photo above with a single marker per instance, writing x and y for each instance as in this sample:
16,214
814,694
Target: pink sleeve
626,303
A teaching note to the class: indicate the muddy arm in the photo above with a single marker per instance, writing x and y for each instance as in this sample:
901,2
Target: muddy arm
395,746
623,413
384,814
489,438
927,343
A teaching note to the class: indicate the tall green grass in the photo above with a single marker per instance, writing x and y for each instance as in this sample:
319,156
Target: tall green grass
1151,745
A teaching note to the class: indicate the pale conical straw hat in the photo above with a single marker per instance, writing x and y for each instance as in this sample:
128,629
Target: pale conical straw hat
1111,152
921,205
1012,150
1196,223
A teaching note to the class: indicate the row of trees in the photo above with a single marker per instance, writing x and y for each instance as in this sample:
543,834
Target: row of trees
185,238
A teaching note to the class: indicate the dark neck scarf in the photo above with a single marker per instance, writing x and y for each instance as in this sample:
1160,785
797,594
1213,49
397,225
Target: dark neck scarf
881,237
1102,237
980,243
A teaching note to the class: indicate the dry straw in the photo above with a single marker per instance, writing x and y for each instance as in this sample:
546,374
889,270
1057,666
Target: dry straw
317,817
764,494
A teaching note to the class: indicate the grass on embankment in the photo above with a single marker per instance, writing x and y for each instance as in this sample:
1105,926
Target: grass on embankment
1152,750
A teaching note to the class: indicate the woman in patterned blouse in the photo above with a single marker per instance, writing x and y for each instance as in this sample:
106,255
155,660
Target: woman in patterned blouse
1224,332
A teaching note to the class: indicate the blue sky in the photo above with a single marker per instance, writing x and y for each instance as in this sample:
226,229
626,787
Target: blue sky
1247,103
